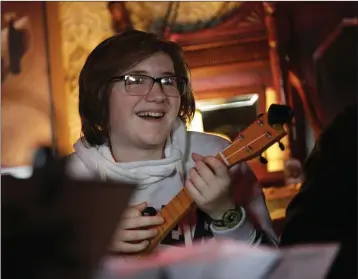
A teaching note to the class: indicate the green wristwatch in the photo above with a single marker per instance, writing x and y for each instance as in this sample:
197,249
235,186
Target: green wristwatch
230,218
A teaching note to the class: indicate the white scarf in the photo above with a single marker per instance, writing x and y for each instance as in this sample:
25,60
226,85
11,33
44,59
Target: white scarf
143,173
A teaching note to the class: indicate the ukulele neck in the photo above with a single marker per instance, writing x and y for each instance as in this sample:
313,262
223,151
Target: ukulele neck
174,212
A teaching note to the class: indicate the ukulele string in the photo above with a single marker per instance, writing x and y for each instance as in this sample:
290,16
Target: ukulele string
239,150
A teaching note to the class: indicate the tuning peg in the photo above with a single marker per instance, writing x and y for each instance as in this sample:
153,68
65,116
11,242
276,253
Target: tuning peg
281,145
263,160
258,120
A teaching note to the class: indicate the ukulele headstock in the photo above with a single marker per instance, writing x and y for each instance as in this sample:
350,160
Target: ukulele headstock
260,135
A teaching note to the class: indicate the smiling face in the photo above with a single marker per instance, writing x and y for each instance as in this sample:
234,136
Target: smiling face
143,121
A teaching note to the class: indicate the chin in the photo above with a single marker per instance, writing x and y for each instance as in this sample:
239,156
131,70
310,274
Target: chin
150,137
152,141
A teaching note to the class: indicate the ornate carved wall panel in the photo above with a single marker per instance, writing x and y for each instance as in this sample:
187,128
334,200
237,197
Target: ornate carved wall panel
25,90
245,23
150,15
83,26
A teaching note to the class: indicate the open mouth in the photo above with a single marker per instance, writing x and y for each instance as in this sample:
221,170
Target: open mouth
150,115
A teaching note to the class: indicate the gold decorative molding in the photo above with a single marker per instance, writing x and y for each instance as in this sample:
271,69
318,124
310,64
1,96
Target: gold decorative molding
144,14
59,101
83,26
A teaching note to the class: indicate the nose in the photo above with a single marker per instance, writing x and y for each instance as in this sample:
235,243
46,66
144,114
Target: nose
156,94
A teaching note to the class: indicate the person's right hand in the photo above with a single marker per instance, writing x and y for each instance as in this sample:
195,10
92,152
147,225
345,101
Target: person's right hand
132,235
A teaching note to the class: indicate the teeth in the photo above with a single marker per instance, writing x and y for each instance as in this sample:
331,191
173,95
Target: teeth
150,114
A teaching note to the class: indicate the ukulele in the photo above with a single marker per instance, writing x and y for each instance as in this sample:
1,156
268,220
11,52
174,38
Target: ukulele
250,143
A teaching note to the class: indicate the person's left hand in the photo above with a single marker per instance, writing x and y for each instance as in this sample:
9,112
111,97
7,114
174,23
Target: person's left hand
209,186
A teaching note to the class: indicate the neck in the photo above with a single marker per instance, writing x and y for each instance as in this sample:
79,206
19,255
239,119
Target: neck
133,154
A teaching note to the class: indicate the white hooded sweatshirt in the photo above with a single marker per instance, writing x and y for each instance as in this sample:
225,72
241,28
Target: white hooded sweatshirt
160,180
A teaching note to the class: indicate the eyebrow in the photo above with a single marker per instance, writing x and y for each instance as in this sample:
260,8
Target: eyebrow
146,73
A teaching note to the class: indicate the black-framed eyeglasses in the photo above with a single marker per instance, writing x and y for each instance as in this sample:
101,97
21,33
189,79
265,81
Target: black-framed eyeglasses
140,85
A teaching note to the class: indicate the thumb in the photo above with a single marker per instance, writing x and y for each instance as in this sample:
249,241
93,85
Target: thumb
141,206
196,157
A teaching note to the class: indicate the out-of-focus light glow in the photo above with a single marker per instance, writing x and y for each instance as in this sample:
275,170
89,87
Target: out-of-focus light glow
197,122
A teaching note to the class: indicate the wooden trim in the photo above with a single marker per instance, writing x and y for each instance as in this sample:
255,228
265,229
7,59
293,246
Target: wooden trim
239,53
206,71
232,92
235,75
262,100
270,21
224,36
229,42
57,78
346,22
